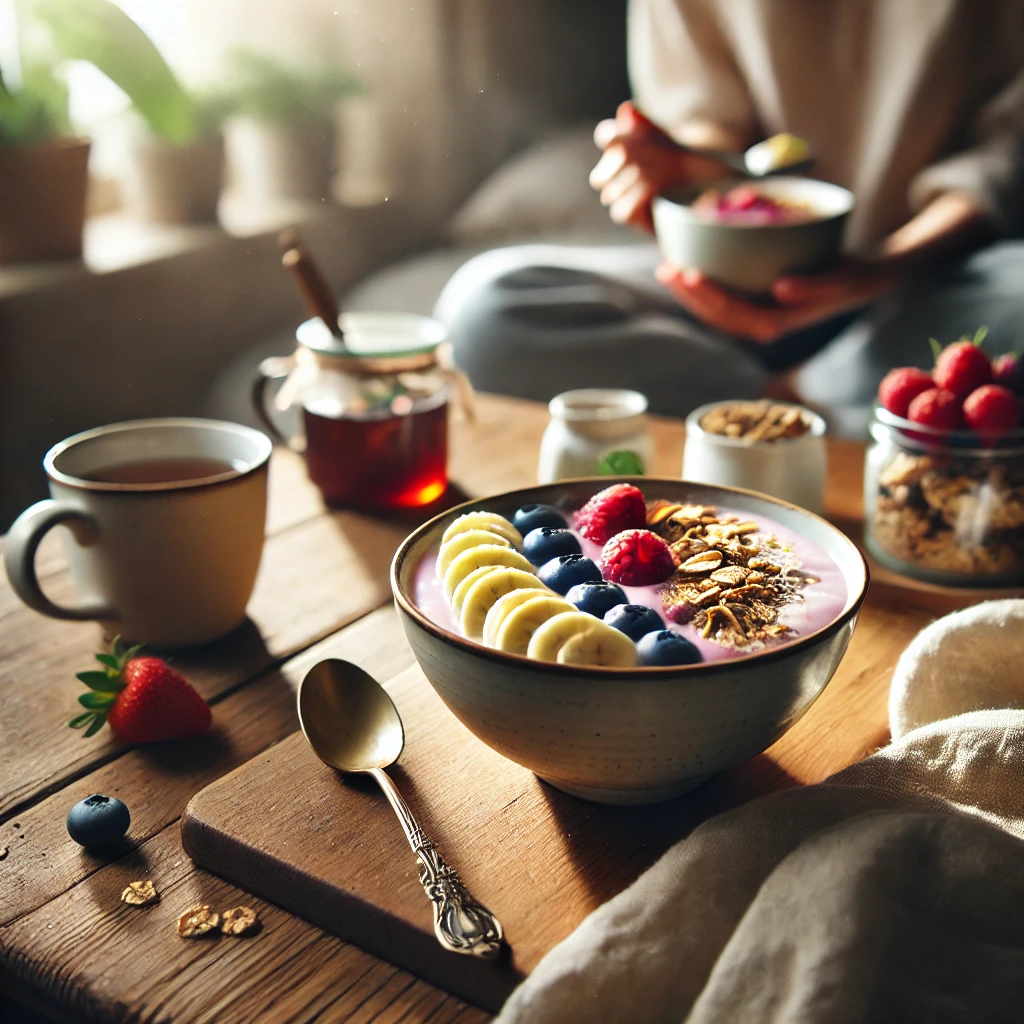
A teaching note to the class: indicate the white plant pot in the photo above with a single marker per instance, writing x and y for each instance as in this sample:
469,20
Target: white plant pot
164,183
281,161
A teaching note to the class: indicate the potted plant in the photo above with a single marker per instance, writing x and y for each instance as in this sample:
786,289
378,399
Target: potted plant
43,167
168,182
281,139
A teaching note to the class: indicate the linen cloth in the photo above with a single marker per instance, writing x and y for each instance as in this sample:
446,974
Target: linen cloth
901,100
893,891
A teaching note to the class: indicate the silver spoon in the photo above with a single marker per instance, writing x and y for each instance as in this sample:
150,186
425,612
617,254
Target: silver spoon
783,152
353,726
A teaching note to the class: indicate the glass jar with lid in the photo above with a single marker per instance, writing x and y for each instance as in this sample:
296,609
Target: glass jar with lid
373,407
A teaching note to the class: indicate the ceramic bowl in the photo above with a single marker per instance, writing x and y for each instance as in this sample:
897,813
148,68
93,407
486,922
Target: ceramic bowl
750,257
639,735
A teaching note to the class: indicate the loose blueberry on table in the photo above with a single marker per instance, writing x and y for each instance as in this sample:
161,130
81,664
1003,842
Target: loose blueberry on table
98,821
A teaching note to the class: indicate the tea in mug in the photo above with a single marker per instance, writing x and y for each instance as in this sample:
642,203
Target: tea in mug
160,471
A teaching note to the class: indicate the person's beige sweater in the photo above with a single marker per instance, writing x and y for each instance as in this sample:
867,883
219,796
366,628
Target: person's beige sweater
901,100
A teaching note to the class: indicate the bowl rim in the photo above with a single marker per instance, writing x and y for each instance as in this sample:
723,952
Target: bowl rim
686,212
613,673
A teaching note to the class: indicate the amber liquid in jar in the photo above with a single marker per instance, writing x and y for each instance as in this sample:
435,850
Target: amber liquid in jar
389,462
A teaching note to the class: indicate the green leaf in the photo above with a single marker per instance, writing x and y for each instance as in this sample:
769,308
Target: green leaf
96,701
980,335
132,651
96,726
81,720
621,463
109,660
99,32
99,681
936,347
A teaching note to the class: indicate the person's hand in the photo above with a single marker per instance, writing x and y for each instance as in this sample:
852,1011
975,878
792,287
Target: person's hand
799,300
639,162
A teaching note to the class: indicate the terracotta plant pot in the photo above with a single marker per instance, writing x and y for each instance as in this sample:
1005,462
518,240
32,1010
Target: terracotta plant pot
270,161
162,183
42,200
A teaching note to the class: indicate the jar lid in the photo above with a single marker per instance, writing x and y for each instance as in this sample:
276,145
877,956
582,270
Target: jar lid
372,336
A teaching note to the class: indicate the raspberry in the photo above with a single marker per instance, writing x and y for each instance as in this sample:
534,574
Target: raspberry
616,508
900,387
1008,370
637,558
992,409
962,367
936,408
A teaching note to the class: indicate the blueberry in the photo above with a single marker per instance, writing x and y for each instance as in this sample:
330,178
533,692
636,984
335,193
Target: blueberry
635,620
596,598
666,648
547,542
98,821
561,574
532,517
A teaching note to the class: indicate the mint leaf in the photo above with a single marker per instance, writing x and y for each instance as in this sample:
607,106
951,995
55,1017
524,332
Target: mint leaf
621,463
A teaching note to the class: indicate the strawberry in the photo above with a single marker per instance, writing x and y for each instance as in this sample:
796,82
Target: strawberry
1008,370
901,386
936,408
616,508
962,366
143,699
992,409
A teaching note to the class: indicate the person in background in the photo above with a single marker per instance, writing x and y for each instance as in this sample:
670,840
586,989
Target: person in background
916,106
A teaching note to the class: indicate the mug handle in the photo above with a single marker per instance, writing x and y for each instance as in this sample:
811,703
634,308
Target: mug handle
23,541
267,371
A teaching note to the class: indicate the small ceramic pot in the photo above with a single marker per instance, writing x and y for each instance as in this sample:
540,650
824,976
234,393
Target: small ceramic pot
595,430
792,470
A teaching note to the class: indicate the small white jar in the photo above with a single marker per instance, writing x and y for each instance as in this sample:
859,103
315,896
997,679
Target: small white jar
589,426
793,469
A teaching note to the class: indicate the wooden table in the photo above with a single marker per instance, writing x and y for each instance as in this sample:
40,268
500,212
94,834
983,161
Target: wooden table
67,951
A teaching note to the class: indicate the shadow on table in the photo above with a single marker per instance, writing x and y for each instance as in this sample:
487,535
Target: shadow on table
610,846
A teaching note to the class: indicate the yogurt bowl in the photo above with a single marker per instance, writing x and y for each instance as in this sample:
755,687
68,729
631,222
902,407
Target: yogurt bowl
633,735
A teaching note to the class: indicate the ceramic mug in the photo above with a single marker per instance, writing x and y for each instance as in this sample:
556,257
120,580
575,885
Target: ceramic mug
164,527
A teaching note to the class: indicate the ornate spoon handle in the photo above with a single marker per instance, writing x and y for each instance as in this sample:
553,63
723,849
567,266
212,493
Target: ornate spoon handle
461,924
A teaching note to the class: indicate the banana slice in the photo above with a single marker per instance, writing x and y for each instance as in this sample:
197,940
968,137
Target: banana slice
463,588
549,639
484,521
477,556
519,626
500,610
463,542
601,645
485,591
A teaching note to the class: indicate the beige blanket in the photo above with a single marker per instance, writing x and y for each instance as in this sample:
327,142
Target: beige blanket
893,891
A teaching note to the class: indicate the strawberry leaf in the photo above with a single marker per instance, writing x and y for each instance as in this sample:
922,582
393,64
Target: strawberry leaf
109,660
936,348
980,335
96,701
82,720
132,651
98,681
96,726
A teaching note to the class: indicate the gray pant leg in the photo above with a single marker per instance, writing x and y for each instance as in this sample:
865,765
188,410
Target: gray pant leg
987,288
535,320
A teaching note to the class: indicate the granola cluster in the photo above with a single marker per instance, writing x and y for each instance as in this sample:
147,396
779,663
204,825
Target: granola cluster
755,422
732,580
962,516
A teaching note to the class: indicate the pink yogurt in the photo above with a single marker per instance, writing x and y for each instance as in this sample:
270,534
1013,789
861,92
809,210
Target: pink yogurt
823,601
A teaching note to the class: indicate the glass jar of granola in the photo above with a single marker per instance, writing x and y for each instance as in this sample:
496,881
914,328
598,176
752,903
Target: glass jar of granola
945,506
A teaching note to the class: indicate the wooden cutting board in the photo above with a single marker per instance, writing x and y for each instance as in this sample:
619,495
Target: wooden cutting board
289,829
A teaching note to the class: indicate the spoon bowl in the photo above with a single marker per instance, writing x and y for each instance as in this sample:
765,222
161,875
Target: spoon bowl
349,719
